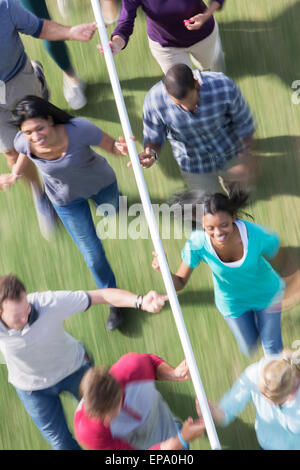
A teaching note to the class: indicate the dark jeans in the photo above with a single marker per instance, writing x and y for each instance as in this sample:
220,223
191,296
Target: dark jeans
45,409
77,219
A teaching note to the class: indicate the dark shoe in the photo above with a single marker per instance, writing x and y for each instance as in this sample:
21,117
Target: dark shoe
115,318
39,73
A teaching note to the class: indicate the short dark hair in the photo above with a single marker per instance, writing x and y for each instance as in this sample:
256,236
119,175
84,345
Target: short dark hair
101,392
10,288
32,107
179,80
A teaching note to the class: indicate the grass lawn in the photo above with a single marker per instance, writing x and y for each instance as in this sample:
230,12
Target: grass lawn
260,40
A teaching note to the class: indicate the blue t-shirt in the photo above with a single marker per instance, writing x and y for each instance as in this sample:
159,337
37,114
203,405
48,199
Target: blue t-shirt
15,19
80,172
252,286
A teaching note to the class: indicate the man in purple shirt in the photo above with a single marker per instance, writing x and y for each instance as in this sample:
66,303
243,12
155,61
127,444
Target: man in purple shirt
17,79
176,29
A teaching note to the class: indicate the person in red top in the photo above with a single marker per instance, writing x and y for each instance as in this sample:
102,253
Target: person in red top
122,410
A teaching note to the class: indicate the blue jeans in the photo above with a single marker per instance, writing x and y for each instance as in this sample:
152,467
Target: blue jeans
77,218
254,324
45,409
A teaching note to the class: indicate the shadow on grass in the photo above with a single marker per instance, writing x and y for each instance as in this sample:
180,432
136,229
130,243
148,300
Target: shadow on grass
200,297
264,47
279,167
133,323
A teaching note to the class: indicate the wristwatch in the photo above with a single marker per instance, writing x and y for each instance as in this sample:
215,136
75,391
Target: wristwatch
155,154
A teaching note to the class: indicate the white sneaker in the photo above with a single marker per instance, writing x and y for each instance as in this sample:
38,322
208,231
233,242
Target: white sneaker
64,9
74,92
47,217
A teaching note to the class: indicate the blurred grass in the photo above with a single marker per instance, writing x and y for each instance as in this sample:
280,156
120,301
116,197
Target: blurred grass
260,40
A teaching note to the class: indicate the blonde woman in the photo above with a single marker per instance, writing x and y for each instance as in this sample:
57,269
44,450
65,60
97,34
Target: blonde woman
273,386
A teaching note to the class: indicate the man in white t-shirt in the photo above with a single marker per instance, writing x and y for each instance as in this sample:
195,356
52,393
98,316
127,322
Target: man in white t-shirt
42,359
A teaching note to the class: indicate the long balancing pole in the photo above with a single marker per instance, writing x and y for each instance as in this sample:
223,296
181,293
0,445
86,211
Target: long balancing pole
149,214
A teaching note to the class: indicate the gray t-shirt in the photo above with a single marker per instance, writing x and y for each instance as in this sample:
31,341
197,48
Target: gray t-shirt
15,19
42,353
81,172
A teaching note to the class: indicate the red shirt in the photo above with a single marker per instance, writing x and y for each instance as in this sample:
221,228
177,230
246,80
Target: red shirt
134,369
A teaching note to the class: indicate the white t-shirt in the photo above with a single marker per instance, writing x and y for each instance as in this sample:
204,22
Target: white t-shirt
42,353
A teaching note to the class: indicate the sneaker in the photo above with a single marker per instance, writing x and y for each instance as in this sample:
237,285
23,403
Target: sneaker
110,10
63,6
115,319
47,217
39,73
74,92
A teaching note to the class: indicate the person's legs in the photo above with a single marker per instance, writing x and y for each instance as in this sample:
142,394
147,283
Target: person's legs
77,219
110,196
45,409
239,173
73,86
208,53
71,383
203,182
269,326
245,331
169,56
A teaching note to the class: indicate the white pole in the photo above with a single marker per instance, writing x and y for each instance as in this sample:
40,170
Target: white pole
149,214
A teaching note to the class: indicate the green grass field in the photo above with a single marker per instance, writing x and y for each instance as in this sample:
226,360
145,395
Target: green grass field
261,44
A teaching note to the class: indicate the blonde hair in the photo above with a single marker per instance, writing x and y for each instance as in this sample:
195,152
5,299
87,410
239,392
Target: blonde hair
279,378
101,392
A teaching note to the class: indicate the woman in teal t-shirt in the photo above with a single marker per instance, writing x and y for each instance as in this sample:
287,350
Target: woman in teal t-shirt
248,291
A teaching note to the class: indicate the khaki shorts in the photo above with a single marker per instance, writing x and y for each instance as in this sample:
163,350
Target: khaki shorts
212,183
24,83
205,54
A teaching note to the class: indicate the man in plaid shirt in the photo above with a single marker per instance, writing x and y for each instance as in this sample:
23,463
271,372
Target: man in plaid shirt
208,124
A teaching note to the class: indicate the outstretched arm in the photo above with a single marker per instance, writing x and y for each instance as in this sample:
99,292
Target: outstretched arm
151,302
52,31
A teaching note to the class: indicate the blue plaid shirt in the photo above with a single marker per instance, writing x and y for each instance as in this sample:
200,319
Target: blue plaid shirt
202,141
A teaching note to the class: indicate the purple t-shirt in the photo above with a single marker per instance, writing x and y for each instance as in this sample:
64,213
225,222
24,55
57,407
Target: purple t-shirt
165,21
80,172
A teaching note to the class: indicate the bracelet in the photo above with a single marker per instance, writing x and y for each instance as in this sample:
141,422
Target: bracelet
185,444
155,154
138,302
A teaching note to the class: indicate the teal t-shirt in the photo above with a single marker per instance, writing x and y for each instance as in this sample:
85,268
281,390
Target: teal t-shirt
252,286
